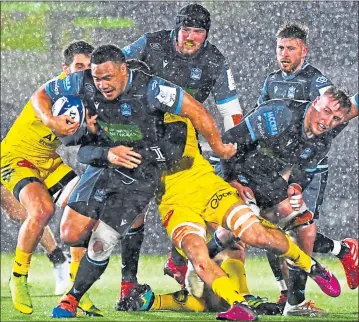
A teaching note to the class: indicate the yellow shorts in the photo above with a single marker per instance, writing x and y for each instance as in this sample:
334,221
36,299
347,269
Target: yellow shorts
204,198
18,170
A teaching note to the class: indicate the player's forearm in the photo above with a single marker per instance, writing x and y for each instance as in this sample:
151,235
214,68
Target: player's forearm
202,121
42,104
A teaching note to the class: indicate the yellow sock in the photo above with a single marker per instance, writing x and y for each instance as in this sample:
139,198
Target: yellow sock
74,266
300,259
178,301
223,287
22,262
237,274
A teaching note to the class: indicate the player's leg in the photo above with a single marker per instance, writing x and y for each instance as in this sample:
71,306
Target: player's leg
130,253
187,231
245,225
17,212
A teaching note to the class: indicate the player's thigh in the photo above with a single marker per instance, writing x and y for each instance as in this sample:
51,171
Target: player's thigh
181,221
59,177
11,206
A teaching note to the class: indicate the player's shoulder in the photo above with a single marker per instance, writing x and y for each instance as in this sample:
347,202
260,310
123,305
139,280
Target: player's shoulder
212,52
311,72
274,75
158,39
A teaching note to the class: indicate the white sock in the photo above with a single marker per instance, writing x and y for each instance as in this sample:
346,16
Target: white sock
337,247
282,285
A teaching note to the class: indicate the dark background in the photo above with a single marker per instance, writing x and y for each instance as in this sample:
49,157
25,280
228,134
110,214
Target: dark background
245,33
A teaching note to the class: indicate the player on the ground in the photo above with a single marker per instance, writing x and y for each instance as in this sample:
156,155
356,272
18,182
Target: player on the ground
298,79
195,196
185,57
36,178
120,180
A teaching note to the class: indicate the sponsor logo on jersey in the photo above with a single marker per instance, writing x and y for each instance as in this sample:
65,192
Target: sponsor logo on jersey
165,63
275,89
291,92
167,95
231,83
271,123
6,173
242,178
90,87
97,104
100,195
215,200
122,132
167,218
26,164
125,109
321,80
56,87
196,73
306,153
156,46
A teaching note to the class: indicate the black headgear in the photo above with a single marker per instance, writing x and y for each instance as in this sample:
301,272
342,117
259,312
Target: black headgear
193,15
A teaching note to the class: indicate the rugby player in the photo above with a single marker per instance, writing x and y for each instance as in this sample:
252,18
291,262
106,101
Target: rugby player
298,79
185,57
196,196
36,178
120,180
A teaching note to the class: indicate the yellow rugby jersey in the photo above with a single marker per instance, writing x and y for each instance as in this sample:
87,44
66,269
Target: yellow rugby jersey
197,165
29,136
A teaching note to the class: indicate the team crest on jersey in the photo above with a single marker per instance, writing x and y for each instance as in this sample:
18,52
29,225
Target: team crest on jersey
90,87
321,80
100,195
306,153
196,73
291,92
156,46
125,109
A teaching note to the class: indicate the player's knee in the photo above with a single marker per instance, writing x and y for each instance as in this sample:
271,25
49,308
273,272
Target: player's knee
42,213
186,232
240,219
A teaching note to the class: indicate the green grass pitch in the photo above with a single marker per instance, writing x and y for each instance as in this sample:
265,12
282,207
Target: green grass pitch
105,291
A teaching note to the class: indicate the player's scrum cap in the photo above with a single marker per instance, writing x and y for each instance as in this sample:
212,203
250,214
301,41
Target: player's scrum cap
193,15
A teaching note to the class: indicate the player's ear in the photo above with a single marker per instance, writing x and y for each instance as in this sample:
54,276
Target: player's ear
304,51
66,69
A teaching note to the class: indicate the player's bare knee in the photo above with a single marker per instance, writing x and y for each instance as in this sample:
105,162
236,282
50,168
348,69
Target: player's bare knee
42,213
195,232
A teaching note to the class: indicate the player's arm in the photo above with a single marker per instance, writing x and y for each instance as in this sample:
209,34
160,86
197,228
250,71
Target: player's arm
226,98
136,50
268,120
264,95
43,99
167,97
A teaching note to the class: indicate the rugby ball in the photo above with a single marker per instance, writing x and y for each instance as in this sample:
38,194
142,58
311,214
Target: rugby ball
70,105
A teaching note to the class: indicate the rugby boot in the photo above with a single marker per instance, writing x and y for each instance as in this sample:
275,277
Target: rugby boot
140,298
66,308
238,312
304,309
327,282
175,271
282,299
126,288
20,293
87,307
350,262
262,306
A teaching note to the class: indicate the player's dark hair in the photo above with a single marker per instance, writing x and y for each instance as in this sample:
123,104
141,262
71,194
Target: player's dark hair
105,53
193,15
341,96
75,48
293,30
